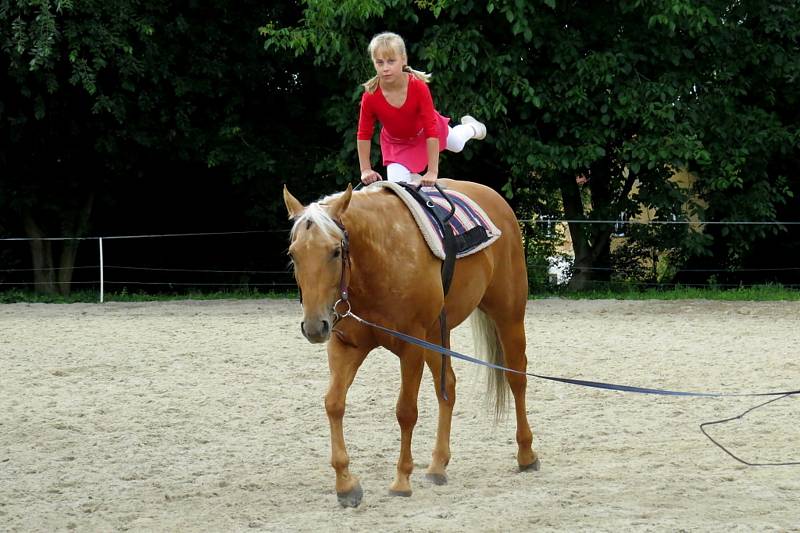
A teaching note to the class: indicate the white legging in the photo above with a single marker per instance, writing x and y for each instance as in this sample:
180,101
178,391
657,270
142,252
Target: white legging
457,137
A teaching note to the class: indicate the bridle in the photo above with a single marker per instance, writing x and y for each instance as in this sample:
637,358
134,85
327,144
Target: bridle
344,296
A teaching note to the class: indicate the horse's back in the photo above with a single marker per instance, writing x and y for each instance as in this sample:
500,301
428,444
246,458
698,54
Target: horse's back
493,204
490,201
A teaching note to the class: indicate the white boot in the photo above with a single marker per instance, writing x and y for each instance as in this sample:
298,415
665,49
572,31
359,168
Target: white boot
479,127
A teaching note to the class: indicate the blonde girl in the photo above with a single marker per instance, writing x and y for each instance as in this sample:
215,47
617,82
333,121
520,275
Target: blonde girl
413,132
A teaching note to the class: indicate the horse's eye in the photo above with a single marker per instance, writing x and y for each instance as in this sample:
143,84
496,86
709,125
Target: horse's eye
337,252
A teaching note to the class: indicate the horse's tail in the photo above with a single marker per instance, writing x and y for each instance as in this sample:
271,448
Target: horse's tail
487,347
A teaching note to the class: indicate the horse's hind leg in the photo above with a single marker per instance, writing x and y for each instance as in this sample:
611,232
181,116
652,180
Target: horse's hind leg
512,338
441,452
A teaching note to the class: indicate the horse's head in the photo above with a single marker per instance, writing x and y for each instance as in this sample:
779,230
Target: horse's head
317,256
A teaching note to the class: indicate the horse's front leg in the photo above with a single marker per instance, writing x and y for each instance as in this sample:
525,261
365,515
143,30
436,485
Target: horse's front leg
411,365
344,361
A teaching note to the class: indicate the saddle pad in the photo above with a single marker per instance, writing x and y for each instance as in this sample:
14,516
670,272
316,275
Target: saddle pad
471,226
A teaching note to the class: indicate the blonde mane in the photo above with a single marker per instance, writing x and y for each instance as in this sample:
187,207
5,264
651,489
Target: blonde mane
315,213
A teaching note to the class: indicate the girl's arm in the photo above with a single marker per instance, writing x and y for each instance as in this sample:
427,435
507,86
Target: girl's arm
428,115
367,174
366,123
432,173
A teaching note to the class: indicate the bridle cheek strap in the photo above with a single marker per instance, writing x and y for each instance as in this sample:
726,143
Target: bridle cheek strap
344,296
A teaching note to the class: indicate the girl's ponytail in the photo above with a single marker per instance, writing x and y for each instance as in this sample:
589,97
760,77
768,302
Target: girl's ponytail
371,84
422,76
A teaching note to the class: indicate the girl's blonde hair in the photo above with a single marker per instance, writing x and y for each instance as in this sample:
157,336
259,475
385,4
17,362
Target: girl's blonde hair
393,43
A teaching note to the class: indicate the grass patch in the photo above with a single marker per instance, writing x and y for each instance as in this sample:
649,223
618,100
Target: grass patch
15,296
753,293
769,292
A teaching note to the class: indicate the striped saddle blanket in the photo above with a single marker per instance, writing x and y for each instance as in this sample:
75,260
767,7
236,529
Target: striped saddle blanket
472,228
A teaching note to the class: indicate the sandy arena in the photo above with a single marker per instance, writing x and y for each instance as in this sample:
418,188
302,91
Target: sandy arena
209,416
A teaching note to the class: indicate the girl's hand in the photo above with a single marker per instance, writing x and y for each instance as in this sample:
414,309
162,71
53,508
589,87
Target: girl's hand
370,176
429,179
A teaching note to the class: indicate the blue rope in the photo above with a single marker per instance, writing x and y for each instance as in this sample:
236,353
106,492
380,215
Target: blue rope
600,385
595,384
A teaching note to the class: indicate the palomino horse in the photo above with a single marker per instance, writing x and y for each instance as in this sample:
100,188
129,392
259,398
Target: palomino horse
394,280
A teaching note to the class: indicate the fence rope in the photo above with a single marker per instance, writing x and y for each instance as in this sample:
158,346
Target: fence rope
105,268
541,220
147,236
545,220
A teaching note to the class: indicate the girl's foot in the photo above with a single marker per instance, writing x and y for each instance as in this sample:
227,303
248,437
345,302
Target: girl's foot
479,127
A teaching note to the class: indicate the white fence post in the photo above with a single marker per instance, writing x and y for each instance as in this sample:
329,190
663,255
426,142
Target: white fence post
100,240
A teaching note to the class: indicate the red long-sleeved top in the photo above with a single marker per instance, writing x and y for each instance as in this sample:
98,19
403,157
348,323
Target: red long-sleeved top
405,128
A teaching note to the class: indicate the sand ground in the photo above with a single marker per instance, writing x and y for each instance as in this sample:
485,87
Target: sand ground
209,416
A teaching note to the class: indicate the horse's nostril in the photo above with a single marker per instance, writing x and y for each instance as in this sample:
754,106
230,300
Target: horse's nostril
316,330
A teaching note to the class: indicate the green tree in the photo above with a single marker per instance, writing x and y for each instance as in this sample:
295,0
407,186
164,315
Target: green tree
616,91
747,115
101,97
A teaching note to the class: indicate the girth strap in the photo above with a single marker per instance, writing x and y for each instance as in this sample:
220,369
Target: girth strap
448,265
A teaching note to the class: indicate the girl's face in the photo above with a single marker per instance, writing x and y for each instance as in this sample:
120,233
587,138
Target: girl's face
388,65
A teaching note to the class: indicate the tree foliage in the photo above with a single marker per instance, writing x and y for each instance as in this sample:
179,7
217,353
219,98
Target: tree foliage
622,92
747,116
116,103
196,112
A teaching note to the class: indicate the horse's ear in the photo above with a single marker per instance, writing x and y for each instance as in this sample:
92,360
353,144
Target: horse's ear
339,205
293,205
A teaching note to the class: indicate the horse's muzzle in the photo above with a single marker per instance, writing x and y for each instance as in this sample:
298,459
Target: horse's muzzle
316,331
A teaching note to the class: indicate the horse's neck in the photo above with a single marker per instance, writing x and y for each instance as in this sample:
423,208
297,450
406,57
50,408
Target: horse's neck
368,225
384,243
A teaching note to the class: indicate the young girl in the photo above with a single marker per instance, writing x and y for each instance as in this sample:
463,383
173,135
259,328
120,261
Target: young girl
412,133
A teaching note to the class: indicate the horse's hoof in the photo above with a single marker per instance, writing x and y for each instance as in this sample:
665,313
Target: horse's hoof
403,493
351,498
533,467
437,479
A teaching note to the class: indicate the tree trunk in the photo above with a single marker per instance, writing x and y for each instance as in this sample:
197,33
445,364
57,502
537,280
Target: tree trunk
69,249
591,244
574,210
42,257
48,280
68,252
